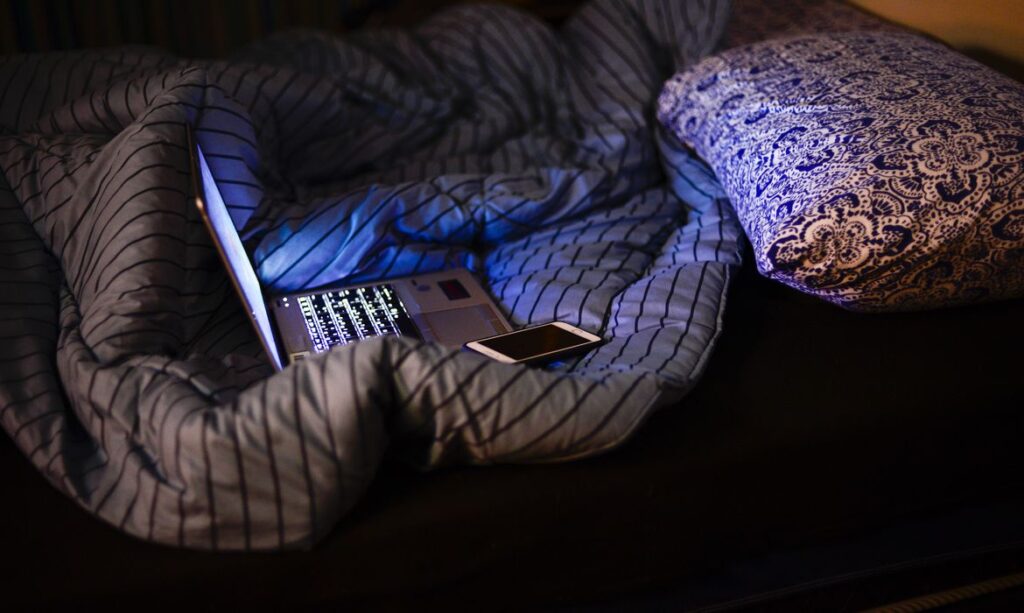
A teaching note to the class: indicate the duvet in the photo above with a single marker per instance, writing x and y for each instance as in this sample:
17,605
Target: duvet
129,374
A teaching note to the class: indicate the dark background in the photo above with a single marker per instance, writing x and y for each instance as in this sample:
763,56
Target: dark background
201,28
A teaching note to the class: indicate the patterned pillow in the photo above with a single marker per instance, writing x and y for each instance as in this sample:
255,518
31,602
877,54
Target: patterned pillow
877,170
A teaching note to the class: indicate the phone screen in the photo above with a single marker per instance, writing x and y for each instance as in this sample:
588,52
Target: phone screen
534,341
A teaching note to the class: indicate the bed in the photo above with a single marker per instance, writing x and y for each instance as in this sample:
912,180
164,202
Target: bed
745,487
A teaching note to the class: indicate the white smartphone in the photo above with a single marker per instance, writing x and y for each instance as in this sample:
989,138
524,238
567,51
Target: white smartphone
536,344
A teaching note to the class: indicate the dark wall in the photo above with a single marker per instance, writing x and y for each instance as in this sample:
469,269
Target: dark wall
206,28
186,27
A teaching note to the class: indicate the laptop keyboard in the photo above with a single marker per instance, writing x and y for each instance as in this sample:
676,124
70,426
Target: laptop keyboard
349,315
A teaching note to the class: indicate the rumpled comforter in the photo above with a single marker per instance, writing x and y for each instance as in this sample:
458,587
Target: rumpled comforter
129,374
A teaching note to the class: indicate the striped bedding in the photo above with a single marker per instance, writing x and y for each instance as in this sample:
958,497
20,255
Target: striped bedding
129,374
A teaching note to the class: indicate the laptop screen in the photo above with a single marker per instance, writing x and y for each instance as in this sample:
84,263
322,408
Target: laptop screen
233,253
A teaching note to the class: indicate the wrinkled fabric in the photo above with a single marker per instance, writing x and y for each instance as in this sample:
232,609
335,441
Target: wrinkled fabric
483,138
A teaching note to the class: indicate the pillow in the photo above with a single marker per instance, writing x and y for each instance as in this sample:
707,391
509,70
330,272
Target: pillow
879,171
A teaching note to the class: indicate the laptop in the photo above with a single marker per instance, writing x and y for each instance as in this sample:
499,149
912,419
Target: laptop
449,307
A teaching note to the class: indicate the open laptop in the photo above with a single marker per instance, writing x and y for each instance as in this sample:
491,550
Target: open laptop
448,307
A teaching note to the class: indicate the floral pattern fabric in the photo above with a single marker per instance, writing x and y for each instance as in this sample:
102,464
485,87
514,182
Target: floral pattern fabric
877,170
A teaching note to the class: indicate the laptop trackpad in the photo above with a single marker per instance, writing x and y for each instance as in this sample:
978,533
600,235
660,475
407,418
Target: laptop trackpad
454,327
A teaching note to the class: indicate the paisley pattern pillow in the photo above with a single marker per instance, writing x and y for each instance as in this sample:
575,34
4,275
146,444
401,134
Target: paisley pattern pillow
877,170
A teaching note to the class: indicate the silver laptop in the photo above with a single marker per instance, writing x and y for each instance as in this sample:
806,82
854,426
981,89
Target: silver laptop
448,307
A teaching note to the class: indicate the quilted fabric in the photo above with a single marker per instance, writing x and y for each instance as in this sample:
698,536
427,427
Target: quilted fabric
879,171
129,374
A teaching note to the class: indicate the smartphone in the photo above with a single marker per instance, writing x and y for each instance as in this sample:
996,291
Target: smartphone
536,344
